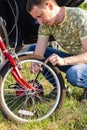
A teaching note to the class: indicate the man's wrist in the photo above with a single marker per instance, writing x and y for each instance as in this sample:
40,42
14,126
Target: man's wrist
65,61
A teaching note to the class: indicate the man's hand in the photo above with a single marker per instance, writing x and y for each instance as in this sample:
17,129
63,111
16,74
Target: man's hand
35,68
54,59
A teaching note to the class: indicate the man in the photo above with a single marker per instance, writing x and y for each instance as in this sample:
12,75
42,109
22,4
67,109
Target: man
69,28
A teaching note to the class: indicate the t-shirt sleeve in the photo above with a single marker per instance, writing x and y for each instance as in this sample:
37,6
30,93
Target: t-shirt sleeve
43,31
82,25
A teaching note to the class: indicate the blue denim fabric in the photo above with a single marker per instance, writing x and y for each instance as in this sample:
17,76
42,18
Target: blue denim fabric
76,75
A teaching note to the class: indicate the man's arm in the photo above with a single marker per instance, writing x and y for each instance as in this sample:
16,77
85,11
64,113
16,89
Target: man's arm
81,58
41,45
39,50
72,60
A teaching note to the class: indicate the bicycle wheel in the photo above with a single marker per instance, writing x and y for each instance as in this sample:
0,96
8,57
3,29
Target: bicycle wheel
3,34
23,105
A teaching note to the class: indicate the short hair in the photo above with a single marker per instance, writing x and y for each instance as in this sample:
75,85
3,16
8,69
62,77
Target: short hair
31,3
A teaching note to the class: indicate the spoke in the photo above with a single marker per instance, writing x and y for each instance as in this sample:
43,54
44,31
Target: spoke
31,105
14,101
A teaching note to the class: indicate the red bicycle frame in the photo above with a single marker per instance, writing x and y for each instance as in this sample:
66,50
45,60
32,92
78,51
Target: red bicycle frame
15,69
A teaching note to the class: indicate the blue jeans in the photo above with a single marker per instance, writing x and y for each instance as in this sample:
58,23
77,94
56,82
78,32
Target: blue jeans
76,74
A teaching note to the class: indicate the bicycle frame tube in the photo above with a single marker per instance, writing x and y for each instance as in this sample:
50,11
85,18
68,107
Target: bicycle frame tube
15,69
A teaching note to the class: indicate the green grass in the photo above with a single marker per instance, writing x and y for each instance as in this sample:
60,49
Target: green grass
71,116
84,6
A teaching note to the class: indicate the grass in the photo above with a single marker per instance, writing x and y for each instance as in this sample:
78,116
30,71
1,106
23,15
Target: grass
71,116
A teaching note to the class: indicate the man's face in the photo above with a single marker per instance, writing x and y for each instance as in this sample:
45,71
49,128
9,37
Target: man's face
43,15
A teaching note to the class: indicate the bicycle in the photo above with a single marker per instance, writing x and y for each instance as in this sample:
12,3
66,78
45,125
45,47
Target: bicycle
24,96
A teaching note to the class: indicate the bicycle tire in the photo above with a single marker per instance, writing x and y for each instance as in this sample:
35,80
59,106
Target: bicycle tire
27,108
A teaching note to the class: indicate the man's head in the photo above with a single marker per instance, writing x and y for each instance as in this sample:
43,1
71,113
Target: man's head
40,3
43,10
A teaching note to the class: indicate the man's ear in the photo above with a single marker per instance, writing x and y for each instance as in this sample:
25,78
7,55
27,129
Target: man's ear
49,4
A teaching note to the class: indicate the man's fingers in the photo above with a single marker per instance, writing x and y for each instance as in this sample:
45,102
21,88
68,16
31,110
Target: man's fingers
53,59
35,68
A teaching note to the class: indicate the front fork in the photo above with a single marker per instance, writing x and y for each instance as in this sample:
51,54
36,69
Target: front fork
15,69
16,74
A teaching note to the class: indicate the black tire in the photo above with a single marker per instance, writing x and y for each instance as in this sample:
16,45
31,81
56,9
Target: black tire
39,106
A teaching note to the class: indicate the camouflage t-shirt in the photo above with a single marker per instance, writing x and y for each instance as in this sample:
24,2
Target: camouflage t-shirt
70,32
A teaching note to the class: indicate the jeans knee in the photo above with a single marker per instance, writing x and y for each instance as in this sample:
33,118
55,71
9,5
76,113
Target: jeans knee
76,77
70,76
31,47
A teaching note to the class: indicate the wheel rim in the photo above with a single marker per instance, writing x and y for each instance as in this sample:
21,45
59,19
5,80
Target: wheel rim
27,106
